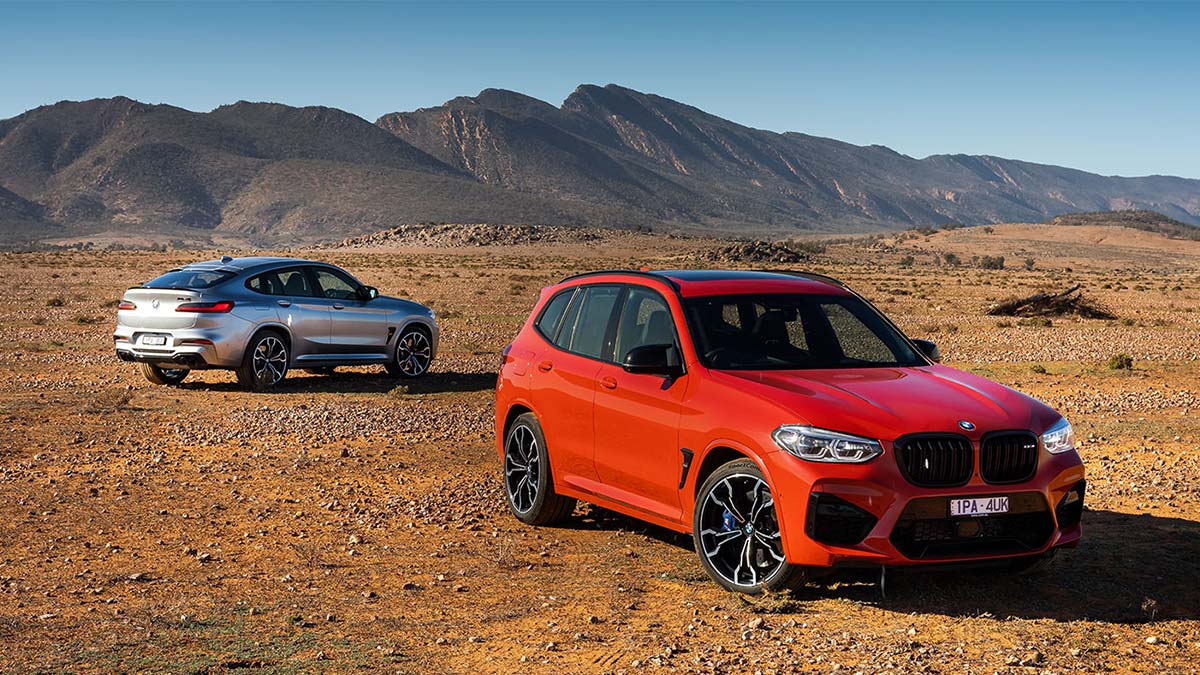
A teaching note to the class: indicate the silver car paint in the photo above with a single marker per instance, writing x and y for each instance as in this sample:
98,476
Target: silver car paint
322,331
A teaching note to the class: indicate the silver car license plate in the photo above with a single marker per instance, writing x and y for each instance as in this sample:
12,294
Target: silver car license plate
156,340
978,506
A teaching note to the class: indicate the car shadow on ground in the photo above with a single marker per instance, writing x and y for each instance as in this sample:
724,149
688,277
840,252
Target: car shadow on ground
1129,568
351,381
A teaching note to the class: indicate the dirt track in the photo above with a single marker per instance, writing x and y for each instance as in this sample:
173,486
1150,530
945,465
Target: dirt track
349,523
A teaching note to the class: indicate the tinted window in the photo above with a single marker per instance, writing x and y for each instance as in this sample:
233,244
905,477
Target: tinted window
645,320
566,328
547,323
855,338
335,285
587,336
291,282
189,279
780,331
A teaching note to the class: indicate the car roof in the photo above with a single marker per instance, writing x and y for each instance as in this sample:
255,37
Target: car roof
237,265
695,283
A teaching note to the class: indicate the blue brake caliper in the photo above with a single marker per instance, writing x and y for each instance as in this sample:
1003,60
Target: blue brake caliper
728,522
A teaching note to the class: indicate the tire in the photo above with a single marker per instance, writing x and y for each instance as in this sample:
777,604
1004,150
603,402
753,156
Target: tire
265,362
737,499
168,376
413,353
527,480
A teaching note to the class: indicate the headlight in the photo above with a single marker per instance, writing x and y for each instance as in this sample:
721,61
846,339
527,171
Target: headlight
1059,438
821,445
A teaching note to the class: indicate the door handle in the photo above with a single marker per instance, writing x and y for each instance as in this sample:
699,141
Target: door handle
545,366
339,306
284,303
608,382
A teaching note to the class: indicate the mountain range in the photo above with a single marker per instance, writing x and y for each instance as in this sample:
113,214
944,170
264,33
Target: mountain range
607,156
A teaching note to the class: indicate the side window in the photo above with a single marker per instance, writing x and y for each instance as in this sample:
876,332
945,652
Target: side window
267,284
645,320
856,339
595,312
335,285
547,323
567,329
293,282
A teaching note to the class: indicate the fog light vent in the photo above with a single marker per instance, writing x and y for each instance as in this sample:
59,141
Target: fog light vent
1070,508
835,521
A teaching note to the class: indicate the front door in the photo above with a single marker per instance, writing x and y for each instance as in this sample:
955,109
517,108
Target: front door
637,453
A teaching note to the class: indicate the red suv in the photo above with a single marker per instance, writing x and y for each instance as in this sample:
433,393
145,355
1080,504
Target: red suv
780,419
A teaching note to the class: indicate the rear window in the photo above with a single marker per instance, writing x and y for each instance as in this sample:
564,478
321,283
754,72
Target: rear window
547,323
591,329
189,279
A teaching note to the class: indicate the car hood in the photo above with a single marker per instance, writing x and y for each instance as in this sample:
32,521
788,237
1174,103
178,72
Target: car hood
400,305
887,403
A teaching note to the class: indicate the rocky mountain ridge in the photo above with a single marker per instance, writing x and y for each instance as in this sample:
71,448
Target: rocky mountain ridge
608,156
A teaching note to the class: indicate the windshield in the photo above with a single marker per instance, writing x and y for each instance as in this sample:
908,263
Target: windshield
794,331
189,279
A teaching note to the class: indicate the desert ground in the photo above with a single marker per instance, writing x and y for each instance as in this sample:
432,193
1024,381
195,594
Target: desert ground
350,522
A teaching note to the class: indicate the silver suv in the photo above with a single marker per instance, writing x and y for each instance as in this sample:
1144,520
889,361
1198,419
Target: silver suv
261,316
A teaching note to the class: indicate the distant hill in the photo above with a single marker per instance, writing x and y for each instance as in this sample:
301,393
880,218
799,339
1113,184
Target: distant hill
609,156
1149,221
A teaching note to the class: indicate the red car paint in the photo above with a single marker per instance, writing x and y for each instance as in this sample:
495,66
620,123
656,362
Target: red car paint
615,438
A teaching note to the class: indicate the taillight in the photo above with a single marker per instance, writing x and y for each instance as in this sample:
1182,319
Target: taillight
126,305
206,307
504,354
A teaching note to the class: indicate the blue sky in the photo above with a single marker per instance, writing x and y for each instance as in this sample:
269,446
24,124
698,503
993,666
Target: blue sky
1110,88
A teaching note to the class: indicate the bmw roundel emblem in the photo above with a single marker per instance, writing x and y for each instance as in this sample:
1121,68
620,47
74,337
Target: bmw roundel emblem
965,425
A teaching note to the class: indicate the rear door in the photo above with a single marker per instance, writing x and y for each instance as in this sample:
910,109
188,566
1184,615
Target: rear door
356,326
306,315
637,454
563,384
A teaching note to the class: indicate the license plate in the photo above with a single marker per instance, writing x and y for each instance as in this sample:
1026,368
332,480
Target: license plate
978,506
154,340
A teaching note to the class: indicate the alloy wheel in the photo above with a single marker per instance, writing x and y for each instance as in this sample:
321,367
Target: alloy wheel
413,353
270,360
521,470
739,532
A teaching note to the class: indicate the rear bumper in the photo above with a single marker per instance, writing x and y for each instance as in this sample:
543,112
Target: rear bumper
881,519
193,348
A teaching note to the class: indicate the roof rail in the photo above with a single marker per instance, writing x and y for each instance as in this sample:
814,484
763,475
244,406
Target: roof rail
810,275
637,273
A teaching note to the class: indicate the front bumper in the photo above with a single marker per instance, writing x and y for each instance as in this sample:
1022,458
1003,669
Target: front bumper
868,515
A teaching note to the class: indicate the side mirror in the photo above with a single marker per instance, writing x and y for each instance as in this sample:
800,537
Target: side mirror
929,349
367,293
653,360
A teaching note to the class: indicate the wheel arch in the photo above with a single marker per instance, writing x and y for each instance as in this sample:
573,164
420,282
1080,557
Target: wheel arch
718,453
274,327
721,452
515,410
412,321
